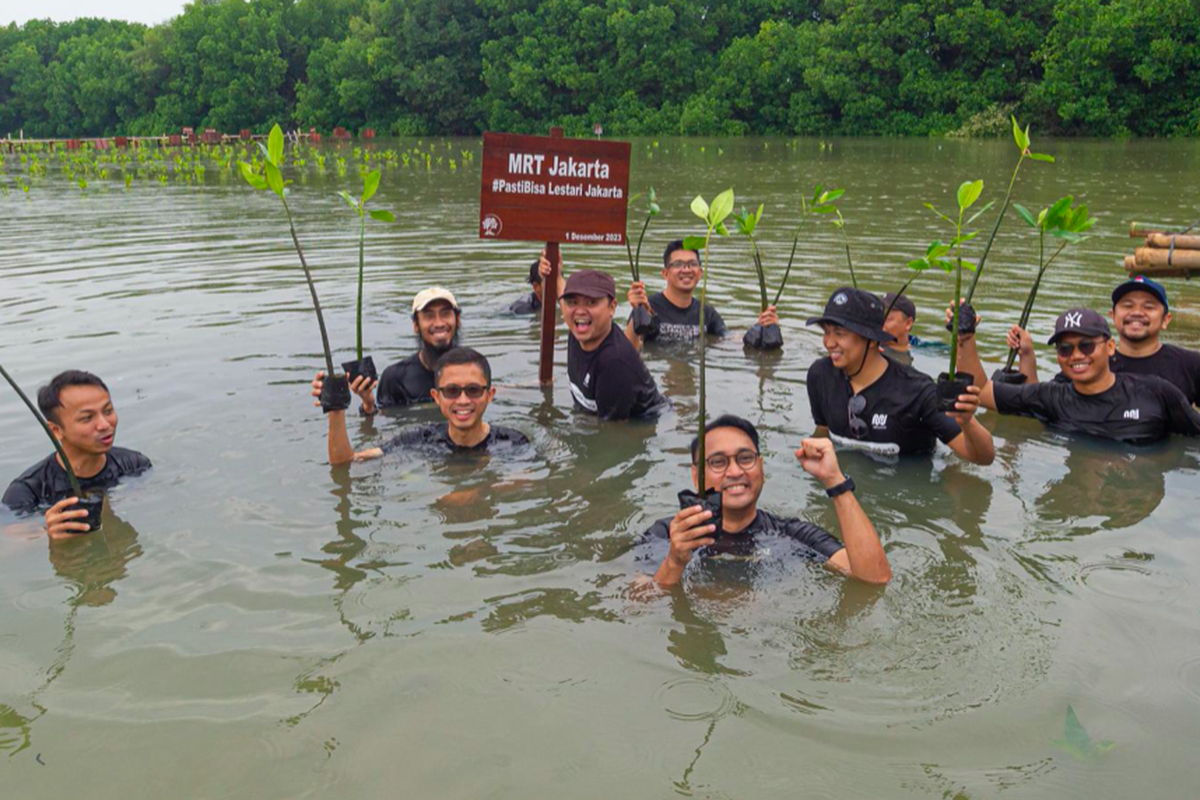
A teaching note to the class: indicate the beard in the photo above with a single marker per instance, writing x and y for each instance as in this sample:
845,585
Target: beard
430,353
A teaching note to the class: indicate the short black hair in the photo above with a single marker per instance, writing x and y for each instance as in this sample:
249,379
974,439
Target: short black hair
535,276
726,421
677,244
48,397
462,356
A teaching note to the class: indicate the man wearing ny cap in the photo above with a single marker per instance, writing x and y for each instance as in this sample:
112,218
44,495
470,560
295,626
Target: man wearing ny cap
1094,400
607,375
435,320
864,400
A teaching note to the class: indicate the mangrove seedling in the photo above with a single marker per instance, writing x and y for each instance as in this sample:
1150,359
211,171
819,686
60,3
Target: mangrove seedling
1063,222
1021,137
93,504
364,367
335,393
642,320
953,383
714,219
1077,742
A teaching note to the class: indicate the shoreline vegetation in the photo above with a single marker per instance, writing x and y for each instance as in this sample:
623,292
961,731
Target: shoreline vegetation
639,67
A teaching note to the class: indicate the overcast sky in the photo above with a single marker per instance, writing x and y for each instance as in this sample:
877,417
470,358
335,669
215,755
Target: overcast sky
149,11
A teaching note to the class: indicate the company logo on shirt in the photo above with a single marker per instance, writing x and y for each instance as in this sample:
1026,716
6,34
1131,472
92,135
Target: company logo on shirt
1073,320
879,421
674,331
587,404
1133,413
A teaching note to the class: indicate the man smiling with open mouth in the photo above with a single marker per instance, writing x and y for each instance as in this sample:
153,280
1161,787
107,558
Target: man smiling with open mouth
1094,399
607,375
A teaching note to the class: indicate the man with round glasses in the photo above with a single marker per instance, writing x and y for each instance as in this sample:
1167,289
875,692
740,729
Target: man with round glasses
733,467
1094,400
462,390
674,312
864,400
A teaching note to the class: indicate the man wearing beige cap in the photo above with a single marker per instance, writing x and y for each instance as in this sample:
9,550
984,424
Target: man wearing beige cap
435,319
607,375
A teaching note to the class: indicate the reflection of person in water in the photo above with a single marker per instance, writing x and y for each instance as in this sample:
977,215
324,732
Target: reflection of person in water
1105,479
95,562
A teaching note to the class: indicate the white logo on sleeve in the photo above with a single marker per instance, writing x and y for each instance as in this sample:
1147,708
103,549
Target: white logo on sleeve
1073,320
879,421
1133,413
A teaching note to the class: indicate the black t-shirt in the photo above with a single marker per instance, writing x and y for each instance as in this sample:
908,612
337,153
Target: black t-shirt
1137,408
404,383
1175,365
529,304
611,381
901,415
674,324
45,483
437,437
768,535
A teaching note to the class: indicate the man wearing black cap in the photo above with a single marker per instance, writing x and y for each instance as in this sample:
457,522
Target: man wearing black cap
532,302
899,323
1094,400
866,401
607,375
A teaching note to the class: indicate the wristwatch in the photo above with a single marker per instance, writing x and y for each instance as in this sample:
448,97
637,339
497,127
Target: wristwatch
843,487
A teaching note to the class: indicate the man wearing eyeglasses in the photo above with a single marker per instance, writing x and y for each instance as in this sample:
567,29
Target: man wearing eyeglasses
675,313
463,389
863,399
733,466
1094,400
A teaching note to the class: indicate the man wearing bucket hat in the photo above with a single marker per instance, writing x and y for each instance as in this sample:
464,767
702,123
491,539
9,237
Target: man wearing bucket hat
607,375
866,401
435,320
1094,399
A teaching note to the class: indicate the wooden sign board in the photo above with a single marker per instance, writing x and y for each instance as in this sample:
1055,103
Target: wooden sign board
552,189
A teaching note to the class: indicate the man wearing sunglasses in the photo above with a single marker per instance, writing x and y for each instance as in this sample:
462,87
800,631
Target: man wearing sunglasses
862,399
733,465
675,313
1094,400
463,391
435,319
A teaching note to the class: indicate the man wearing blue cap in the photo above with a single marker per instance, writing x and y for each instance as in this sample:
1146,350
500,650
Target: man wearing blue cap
1094,399
1141,313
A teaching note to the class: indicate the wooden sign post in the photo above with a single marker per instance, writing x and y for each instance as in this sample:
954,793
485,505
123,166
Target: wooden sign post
553,190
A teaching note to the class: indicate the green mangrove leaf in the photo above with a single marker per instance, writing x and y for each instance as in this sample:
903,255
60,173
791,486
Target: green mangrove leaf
830,196
1042,157
968,193
382,214
252,177
370,185
700,208
1024,214
350,201
1056,212
940,214
968,265
919,264
823,209
654,207
1077,742
275,145
694,243
1021,137
817,194
980,212
722,206
745,223
721,230
274,178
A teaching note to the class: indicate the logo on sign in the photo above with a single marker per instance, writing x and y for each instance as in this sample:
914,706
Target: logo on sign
491,225
840,300
1073,320
879,421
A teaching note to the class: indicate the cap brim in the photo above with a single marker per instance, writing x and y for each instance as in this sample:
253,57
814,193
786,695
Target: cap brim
874,334
1134,286
1088,332
594,294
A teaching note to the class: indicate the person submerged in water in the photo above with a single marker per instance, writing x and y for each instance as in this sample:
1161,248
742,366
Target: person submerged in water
862,399
733,466
531,303
1094,400
463,390
80,413
675,313
436,318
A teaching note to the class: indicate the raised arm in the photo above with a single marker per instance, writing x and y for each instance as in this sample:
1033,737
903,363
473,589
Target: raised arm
1020,340
862,556
340,450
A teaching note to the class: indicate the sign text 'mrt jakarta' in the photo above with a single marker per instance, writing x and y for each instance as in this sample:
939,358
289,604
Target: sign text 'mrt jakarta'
552,189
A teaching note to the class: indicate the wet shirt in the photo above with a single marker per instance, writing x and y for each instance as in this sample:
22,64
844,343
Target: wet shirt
46,482
1175,365
436,437
674,324
404,383
611,381
901,414
529,304
768,538
1137,408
